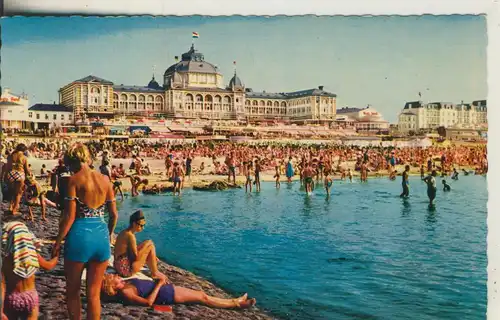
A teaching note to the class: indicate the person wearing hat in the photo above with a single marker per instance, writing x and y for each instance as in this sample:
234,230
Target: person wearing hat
130,257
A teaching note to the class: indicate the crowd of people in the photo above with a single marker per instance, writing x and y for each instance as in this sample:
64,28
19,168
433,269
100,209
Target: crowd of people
85,194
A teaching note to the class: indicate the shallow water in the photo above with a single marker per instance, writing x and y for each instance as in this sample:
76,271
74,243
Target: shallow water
363,254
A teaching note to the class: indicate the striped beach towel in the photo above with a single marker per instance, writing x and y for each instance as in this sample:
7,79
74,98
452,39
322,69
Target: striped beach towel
19,242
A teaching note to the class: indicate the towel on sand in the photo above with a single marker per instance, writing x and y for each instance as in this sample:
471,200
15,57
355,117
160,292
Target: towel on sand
19,242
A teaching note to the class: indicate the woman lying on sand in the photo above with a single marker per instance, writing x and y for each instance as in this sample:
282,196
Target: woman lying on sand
148,293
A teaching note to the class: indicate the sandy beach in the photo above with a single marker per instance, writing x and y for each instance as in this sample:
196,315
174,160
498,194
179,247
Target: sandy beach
203,178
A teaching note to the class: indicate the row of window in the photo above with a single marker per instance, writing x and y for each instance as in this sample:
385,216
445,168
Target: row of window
47,117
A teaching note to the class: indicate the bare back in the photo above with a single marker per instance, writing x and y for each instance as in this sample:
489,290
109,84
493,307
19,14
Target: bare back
123,242
91,187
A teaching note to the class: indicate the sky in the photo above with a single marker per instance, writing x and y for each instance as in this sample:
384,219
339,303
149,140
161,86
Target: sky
381,61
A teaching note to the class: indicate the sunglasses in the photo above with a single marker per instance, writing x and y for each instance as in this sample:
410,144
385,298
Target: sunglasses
142,225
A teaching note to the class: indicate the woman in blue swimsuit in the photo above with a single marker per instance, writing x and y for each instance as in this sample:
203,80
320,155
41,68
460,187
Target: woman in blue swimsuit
148,293
87,235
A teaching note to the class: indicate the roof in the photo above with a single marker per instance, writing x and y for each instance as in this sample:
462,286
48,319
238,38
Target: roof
125,88
348,110
235,81
479,103
413,104
50,107
153,84
8,103
192,61
94,79
290,95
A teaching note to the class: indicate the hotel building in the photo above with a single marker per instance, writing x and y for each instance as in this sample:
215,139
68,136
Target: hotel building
194,89
416,115
13,110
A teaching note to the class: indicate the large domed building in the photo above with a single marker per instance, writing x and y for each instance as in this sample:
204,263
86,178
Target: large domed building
195,89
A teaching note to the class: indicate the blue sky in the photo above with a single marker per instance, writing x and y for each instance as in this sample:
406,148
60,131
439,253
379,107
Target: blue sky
382,61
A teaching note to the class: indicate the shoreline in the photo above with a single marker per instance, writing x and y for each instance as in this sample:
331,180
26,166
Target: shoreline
51,288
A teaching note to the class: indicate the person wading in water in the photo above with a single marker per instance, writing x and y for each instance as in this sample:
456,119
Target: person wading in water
405,183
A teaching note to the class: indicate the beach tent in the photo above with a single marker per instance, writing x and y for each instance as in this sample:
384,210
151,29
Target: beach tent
142,128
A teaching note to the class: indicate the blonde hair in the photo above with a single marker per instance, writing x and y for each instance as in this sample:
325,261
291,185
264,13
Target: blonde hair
107,285
78,153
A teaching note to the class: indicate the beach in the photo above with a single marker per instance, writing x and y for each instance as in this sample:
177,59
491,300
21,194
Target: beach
204,178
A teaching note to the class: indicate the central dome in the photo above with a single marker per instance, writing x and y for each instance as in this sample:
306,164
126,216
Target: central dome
192,61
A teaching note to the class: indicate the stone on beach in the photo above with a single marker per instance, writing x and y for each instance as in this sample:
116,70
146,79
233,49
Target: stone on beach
217,185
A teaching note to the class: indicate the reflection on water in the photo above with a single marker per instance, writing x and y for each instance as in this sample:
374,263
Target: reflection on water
309,257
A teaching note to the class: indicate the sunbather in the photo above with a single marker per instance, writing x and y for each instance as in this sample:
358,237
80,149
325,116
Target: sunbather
148,293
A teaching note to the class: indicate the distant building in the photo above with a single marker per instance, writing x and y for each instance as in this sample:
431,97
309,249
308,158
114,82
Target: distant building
194,89
13,110
363,119
49,116
460,134
417,115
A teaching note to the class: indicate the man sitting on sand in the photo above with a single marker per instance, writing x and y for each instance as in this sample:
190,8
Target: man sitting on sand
130,258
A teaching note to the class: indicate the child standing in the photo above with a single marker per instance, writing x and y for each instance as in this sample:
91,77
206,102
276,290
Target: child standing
328,182
277,177
248,183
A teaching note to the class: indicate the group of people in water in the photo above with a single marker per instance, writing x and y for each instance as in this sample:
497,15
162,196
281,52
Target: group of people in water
83,193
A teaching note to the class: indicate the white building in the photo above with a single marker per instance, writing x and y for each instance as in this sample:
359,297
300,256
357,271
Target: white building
416,115
13,110
364,120
49,116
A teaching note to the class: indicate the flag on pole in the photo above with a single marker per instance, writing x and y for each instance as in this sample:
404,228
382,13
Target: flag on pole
196,35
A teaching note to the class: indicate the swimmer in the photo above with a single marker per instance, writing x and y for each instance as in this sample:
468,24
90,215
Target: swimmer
465,172
308,177
454,176
248,183
328,182
446,187
349,174
257,175
277,177
405,183
392,175
431,187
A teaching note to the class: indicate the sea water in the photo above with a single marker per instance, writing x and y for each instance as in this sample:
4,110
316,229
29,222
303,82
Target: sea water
364,253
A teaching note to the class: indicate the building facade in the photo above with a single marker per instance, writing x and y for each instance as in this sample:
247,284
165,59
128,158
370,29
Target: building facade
363,119
194,88
13,110
417,115
49,116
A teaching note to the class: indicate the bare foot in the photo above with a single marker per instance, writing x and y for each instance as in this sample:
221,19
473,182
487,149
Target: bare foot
243,298
247,303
